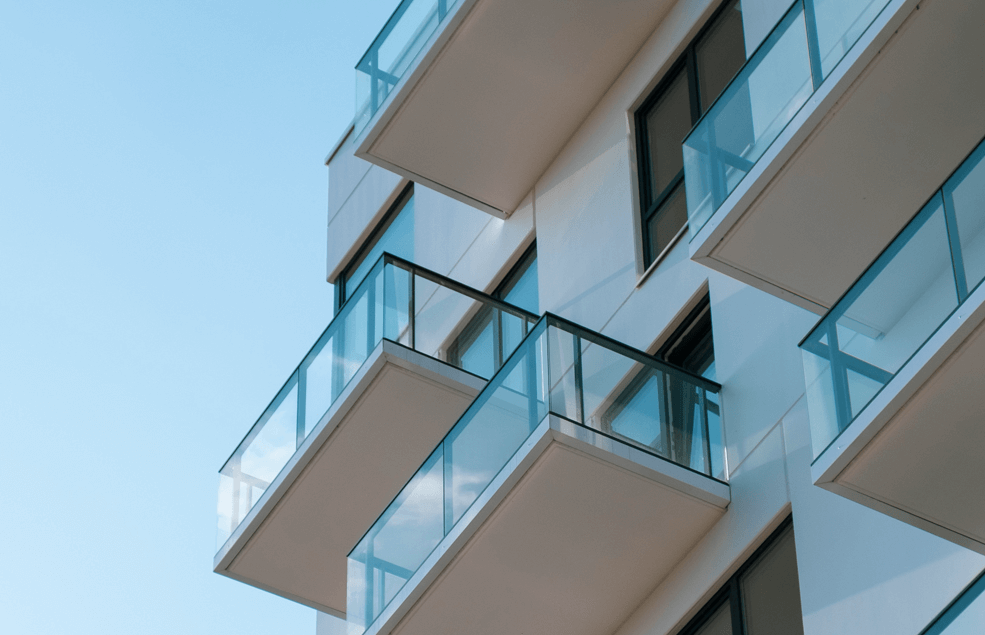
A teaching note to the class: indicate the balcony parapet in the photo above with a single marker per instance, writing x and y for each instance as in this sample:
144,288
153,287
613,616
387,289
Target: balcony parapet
766,94
613,412
392,338
893,372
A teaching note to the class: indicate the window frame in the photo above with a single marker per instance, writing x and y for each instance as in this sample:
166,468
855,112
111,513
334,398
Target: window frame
681,339
731,591
652,204
475,326
374,236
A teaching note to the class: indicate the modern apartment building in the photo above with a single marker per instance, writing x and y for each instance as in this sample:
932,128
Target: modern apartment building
653,318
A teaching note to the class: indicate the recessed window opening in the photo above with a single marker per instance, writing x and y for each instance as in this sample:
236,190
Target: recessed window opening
665,118
490,335
394,234
762,598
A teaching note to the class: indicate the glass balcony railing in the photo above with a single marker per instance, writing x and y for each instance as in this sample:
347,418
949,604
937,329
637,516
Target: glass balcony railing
559,369
391,53
913,287
765,95
965,615
397,301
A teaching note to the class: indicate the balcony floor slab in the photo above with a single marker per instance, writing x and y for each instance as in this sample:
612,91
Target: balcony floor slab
916,451
569,539
295,540
881,134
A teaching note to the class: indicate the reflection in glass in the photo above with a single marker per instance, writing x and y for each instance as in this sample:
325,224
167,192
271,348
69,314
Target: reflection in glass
771,591
965,616
911,289
379,307
767,93
558,368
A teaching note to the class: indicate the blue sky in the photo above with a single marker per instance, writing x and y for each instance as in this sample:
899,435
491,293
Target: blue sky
162,270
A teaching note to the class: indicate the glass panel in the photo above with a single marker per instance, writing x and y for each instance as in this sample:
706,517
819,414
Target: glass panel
820,399
319,373
635,415
479,450
716,440
898,307
479,354
720,622
667,124
751,113
840,23
396,294
524,292
564,375
396,239
964,194
274,444
495,427
771,592
883,320
481,443
720,54
664,225
398,543
380,304
965,616
391,54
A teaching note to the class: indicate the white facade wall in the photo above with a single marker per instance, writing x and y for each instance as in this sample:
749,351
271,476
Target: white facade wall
860,571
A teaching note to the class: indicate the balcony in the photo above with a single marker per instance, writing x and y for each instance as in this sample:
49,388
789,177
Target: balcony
475,98
582,474
895,383
364,408
810,161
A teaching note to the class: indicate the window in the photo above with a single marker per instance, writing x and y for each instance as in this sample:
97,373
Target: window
487,337
667,115
679,438
762,598
394,234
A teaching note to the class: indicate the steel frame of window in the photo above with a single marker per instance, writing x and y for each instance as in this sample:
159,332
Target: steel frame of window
731,592
374,236
652,202
475,326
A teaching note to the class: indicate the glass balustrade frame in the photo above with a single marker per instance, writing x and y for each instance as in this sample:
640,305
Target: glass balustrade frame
382,320
545,376
955,610
381,81
708,179
824,338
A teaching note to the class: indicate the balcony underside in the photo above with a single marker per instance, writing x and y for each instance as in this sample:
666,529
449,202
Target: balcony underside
569,539
862,156
499,90
916,451
294,542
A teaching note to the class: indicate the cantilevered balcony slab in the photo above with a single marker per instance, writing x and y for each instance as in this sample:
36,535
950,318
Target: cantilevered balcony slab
817,180
568,540
364,408
476,105
526,521
896,372
294,542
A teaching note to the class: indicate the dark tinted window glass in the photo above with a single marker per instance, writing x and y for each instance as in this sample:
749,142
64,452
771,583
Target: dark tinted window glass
720,54
668,114
771,592
667,125
720,622
665,225
762,598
